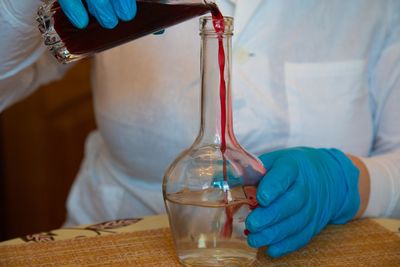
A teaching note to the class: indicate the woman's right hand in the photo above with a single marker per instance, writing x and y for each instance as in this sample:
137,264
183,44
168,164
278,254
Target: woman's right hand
107,12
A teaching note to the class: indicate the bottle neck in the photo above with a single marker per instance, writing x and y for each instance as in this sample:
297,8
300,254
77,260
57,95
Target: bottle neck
216,107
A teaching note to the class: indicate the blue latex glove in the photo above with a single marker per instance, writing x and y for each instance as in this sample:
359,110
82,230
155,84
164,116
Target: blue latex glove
304,190
107,12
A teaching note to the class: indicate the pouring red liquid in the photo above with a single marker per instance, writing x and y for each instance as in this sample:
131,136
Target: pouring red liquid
218,22
95,38
207,211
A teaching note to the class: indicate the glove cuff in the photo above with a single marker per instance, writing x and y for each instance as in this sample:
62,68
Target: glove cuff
349,174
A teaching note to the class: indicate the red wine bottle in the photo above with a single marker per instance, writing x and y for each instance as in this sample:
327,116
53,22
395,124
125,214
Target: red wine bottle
68,43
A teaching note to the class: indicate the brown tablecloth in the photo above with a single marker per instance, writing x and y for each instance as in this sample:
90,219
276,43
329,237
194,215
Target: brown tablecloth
143,243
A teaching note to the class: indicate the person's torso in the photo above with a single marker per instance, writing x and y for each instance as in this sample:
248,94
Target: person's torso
300,78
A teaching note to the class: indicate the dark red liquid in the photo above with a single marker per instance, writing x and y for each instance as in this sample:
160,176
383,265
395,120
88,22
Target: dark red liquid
150,17
218,22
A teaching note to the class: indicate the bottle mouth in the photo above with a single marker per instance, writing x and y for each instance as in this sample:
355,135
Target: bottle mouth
211,26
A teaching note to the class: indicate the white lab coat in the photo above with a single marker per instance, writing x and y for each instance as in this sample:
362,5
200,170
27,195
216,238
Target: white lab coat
309,73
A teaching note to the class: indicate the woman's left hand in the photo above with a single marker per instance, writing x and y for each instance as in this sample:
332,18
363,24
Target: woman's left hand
304,190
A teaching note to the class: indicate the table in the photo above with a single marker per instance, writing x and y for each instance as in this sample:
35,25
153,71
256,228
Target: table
147,242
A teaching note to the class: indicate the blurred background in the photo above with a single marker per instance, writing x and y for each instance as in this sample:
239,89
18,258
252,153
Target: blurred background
41,147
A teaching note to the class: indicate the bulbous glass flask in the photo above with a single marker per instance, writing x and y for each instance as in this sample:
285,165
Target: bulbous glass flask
210,188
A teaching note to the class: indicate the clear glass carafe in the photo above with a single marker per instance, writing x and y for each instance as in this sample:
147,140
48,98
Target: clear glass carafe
210,188
68,43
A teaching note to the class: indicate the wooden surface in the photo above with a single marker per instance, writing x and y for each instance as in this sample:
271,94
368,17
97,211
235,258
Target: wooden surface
42,141
148,242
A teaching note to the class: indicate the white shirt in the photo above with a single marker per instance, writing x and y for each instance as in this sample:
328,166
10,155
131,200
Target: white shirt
304,73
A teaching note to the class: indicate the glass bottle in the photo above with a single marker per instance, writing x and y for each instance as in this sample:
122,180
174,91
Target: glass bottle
210,188
68,43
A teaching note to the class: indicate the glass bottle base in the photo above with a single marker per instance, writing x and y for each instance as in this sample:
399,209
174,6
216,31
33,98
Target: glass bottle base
232,257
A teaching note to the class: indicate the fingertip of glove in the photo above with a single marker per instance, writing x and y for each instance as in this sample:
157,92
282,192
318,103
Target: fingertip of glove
252,224
109,25
263,198
127,11
249,224
107,21
80,23
274,252
127,15
251,241
77,15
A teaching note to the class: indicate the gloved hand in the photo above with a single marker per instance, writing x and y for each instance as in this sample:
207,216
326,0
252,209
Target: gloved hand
107,12
304,190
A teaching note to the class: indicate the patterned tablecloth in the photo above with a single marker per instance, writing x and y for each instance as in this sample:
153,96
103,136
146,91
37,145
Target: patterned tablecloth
147,242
